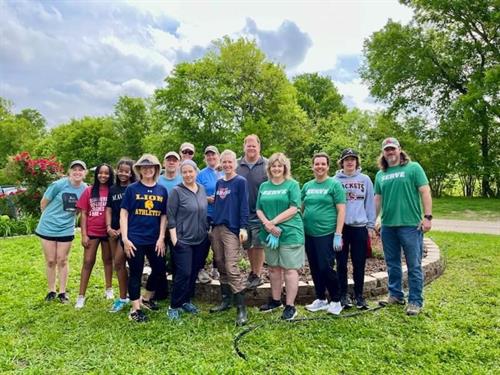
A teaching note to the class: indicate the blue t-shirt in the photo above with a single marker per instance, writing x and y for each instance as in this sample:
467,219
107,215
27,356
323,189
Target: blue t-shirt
58,218
208,178
145,206
231,203
169,184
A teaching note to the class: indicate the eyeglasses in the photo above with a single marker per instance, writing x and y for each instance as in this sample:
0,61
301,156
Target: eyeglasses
189,152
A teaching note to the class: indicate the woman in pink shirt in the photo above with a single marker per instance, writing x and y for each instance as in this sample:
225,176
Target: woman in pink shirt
92,205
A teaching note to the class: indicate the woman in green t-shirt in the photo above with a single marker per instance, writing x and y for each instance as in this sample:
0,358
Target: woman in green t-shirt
323,207
278,203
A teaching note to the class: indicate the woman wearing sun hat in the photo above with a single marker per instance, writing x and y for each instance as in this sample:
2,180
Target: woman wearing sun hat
56,227
143,221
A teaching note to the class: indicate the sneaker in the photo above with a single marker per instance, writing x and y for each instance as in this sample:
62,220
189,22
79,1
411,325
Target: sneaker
271,305
173,314
118,305
190,308
80,302
63,298
361,303
109,294
253,281
203,277
413,309
393,301
149,304
317,305
137,316
289,313
215,275
346,302
334,308
50,296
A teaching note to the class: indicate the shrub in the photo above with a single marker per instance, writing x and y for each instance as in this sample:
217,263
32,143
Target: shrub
34,175
16,227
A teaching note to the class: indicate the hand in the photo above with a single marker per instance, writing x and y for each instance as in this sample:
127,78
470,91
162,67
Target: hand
211,199
112,233
337,242
160,246
372,233
85,241
243,235
426,225
129,248
378,225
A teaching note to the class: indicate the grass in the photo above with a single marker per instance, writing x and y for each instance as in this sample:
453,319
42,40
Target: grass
460,208
459,331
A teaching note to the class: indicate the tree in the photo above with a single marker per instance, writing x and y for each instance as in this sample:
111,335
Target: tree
445,62
318,96
230,92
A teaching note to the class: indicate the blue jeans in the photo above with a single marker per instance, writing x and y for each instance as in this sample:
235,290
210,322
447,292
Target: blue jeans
410,239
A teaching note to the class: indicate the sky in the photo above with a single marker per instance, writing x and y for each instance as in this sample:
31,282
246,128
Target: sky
69,59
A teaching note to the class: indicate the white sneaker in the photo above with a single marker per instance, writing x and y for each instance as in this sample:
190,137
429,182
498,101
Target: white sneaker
109,294
318,305
80,302
203,277
334,308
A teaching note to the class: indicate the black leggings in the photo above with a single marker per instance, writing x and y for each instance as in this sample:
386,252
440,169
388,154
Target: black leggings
136,267
321,260
356,242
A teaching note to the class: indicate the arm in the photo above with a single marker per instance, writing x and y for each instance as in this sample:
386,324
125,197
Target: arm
111,232
83,226
160,243
43,203
425,195
378,205
340,217
128,246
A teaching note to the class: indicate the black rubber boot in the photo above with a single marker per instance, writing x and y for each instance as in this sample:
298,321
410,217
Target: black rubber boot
241,309
227,297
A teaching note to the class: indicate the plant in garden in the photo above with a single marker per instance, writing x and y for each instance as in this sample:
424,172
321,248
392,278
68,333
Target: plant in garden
34,175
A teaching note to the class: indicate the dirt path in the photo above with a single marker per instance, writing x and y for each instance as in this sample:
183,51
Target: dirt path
464,226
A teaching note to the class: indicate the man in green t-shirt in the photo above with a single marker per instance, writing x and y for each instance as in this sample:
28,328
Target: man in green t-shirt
400,185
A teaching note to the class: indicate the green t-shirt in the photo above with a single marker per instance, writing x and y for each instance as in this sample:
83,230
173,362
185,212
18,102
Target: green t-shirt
398,186
320,211
274,199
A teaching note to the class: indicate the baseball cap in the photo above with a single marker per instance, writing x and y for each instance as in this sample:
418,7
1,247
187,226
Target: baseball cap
172,153
78,162
349,152
211,149
187,146
390,142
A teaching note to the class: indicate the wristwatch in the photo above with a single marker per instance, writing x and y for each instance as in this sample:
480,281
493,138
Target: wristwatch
428,217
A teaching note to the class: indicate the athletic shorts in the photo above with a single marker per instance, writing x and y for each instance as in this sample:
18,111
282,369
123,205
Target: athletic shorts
56,239
290,257
253,236
102,239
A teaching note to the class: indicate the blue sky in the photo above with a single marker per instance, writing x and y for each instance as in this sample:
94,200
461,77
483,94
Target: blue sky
69,59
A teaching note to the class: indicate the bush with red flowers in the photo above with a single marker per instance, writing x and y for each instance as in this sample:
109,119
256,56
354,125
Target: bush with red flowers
32,176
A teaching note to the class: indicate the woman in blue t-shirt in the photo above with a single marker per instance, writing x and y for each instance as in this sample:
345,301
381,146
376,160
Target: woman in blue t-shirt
124,177
143,222
56,227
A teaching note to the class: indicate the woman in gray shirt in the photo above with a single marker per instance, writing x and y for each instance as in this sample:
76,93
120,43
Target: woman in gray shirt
187,223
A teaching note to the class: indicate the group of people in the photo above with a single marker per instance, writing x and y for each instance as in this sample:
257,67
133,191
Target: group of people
250,202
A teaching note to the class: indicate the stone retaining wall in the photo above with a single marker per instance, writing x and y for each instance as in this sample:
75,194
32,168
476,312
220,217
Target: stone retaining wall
375,284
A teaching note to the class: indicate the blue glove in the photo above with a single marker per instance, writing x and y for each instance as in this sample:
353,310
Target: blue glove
272,241
337,242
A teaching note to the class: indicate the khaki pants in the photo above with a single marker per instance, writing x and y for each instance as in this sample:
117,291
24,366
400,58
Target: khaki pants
226,247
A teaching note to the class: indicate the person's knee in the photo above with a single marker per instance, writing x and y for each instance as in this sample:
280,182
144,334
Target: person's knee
51,263
62,262
88,263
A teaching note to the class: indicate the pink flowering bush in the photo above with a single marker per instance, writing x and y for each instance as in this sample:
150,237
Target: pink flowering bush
32,176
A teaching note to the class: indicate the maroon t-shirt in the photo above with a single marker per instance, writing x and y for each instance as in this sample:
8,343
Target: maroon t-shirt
96,211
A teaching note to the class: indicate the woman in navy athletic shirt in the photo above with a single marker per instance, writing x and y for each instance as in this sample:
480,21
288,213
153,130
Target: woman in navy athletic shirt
143,223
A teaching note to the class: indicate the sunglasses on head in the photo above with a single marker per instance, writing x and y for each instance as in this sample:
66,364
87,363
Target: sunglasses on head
189,152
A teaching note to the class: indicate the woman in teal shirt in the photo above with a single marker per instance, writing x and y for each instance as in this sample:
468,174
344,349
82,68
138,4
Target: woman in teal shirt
278,208
56,227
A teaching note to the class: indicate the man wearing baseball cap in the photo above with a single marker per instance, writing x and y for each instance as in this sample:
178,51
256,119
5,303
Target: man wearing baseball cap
187,151
400,185
172,177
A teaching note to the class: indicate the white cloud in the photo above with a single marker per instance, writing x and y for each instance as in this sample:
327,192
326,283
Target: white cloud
359,94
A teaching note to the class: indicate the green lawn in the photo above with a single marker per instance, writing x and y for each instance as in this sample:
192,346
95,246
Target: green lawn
460,208
459,332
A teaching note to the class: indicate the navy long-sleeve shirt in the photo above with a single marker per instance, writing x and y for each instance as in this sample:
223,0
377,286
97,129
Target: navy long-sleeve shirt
231,204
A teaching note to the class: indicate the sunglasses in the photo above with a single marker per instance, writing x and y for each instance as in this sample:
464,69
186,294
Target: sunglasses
189,152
